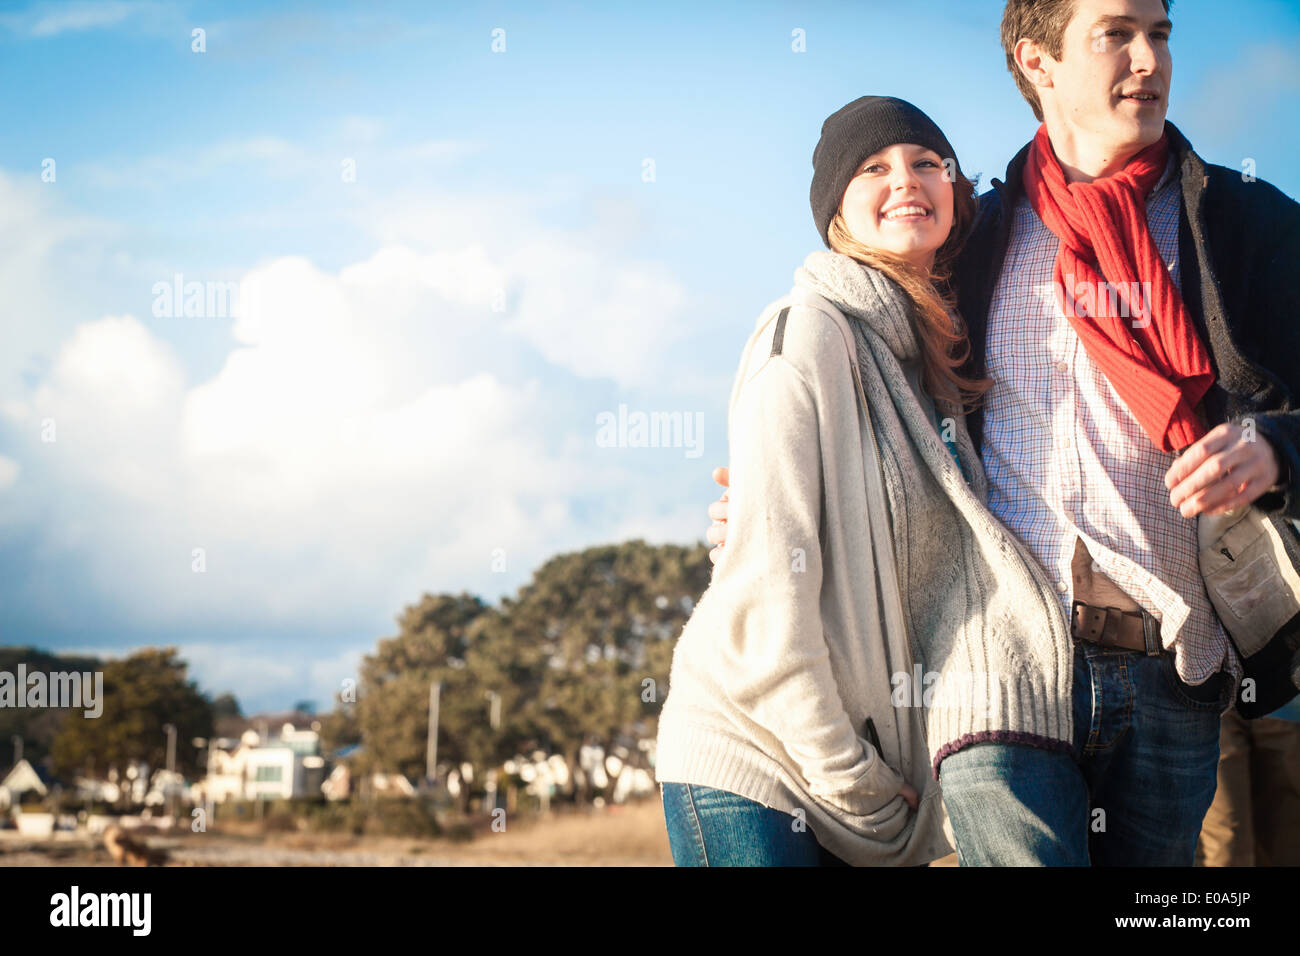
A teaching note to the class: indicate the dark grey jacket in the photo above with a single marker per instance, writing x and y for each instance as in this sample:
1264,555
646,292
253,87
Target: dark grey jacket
1239,250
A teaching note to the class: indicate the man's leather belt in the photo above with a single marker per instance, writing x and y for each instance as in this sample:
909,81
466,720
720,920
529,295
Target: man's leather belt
1111,627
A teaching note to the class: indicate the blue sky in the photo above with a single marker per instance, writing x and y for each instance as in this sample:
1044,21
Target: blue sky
412,404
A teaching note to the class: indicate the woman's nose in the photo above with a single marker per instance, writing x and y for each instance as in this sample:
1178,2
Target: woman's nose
905,178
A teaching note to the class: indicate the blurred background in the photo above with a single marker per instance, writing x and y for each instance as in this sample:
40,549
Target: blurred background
364,366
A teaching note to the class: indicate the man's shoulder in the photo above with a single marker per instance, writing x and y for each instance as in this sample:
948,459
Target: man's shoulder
1237,196
978,247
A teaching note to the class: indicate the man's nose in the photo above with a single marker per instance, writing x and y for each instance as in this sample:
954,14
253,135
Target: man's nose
1143,55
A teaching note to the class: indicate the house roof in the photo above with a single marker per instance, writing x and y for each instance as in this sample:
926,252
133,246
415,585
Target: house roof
23,774
230,726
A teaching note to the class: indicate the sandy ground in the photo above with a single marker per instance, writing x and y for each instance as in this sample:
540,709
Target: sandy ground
631,835
615,836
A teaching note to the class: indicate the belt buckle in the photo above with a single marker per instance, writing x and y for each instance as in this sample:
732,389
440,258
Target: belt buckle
1078,621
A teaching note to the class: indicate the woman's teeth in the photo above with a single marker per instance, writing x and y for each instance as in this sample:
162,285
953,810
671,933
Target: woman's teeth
904,211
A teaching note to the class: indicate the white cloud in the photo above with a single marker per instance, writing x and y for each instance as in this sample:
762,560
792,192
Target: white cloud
53,19
348,452
42,244
578,298
113,400
80,16
273,155
438,150
375,432
264,679
596,315
8,472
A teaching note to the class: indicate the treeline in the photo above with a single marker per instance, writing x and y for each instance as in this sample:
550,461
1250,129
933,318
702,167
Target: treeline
580,656
142,693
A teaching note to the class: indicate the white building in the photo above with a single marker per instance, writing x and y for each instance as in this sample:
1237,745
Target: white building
284,766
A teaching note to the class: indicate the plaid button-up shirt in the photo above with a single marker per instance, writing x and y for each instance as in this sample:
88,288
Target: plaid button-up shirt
1066,459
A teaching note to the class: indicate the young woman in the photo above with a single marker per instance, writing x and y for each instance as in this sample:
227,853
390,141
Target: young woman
868,615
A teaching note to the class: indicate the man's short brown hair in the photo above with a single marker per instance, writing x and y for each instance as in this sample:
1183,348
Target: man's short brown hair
1044,22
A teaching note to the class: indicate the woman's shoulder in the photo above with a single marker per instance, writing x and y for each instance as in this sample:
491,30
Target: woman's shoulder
803,330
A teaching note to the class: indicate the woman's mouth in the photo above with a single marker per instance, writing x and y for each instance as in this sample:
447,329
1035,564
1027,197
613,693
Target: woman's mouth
907,213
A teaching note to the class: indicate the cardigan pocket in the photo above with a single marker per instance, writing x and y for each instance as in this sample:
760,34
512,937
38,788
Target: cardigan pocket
873,792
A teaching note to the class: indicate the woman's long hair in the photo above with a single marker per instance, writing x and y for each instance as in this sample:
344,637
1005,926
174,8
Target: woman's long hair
945,346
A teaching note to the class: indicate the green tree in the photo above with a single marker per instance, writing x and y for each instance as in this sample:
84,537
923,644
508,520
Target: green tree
605,621
226,705
580,656
341,727
432,644
37,726
142,693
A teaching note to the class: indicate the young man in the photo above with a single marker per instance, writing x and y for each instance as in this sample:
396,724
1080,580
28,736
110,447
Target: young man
1104,438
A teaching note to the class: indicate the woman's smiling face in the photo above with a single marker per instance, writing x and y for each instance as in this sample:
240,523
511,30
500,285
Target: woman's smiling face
900,201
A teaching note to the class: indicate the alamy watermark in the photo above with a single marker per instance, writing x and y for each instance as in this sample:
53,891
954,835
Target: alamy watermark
650,430
967,690
56,689
1121,300
178,298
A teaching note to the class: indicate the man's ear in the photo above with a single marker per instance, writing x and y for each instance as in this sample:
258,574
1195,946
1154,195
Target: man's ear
1034,62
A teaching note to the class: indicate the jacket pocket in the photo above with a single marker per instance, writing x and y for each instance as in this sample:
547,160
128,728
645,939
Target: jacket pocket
1248,576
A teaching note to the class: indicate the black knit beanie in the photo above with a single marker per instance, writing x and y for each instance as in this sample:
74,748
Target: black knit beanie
854,132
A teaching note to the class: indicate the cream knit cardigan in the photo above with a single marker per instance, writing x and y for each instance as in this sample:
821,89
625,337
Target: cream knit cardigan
808,625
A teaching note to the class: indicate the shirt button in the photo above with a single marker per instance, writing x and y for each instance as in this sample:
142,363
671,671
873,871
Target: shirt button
1062,586
1062,367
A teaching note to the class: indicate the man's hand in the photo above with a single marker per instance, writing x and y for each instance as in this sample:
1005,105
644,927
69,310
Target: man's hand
717,533
1227,469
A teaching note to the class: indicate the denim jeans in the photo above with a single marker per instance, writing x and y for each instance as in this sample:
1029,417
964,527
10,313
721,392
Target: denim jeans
1132,792
709,827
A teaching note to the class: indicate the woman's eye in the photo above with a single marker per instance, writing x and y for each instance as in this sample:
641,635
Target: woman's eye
928,162
872,168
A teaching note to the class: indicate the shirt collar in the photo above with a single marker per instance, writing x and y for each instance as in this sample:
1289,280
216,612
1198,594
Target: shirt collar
1171,168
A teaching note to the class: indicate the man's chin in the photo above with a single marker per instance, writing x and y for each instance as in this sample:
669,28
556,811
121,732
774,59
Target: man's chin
1134,136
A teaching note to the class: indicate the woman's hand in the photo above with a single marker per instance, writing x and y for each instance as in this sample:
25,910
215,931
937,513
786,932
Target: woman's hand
909,794
717,533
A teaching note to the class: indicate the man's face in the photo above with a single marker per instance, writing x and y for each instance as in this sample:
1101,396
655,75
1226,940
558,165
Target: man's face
1111,86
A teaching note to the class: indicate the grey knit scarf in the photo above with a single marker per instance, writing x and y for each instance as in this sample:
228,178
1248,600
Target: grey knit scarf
887,340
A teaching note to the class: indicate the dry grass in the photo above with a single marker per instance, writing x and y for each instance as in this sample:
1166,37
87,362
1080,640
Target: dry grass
629,835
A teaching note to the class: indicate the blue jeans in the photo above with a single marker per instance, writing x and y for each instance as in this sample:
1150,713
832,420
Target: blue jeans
709,827
1133,791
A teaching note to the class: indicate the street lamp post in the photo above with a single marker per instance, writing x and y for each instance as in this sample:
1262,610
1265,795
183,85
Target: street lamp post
431,751
208,801
171,767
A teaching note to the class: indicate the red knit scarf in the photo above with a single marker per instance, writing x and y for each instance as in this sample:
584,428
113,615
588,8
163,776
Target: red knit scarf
1116,291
